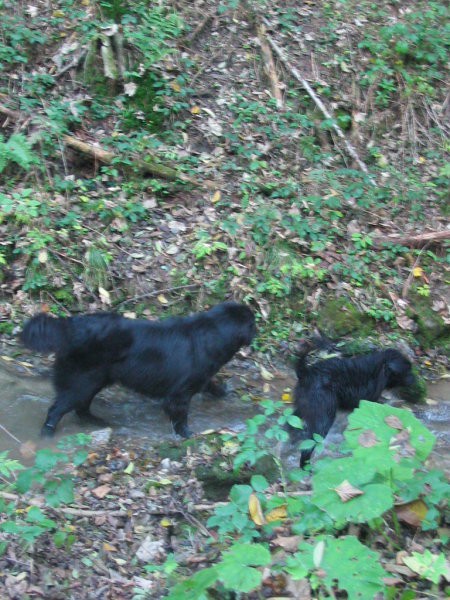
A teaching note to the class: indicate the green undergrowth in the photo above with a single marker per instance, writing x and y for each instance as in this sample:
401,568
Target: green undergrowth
382,472
293,219
50,476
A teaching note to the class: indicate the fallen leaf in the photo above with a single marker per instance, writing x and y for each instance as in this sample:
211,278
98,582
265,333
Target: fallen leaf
254,508
265,374
277,514
418,272
346,491
104,296
108,548
412,513
28,449
289,543
406,323
195,110
286,397
368,439
216,196
393,422
101,491
162,299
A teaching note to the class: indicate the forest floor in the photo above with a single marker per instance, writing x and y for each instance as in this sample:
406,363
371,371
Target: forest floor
157,162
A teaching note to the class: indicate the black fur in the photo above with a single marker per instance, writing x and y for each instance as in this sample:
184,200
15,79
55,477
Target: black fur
171,359
341,383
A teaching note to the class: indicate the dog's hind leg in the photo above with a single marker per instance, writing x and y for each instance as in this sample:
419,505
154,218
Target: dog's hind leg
214,388
72,393
176,408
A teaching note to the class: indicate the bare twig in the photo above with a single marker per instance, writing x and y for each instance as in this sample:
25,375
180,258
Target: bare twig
151,166
155,292
189,39
318,102
269,66
415,241
10,434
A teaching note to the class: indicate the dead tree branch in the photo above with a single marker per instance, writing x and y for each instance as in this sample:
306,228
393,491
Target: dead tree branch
318,102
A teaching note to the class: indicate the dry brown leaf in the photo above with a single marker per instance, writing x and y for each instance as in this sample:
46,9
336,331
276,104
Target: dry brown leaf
28,449
346,491
108,548
101,491
289,543
393,422
368,439
254,508
412,513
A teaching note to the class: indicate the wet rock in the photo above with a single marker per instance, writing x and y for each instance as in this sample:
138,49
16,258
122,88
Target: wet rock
101,436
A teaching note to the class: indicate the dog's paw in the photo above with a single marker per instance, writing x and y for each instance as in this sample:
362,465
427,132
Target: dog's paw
47,431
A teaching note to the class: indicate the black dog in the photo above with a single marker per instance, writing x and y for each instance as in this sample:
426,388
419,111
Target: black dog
171,359
342,382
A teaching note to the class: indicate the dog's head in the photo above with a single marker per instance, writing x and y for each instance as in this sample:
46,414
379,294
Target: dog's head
398,370
239,318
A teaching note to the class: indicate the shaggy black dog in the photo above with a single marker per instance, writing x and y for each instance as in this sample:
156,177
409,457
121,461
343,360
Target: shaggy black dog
172,359
341,383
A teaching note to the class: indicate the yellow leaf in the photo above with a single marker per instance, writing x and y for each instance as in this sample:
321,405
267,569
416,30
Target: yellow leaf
175,86
286,397
422,160
216,196
254,508
162,299
276,514
129,469
195,110
418,272
165,522
57,13
108,548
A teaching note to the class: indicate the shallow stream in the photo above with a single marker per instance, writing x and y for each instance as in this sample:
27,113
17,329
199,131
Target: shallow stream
26,396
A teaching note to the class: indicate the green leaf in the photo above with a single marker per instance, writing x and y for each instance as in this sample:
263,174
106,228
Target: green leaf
259,483
429,566
374,417
195,587
376,498
356,568
240,494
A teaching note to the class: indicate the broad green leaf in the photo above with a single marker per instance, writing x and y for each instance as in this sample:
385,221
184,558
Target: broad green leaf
376,498
417,441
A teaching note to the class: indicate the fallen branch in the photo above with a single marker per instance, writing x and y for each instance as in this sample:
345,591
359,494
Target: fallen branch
318,102
189,39
269,66
415,241
107,157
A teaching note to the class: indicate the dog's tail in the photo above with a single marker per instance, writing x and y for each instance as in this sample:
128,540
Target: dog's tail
45,334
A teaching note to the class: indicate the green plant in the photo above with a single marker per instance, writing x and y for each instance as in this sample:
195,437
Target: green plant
206,246
344,563
17,149
387,448
49,475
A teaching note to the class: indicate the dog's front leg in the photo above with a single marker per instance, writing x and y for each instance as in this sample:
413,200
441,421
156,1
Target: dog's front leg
177,407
